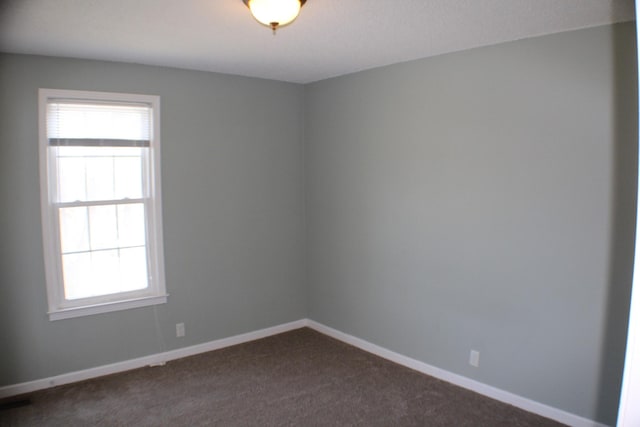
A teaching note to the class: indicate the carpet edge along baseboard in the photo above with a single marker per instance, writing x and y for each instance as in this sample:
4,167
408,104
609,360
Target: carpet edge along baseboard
160,359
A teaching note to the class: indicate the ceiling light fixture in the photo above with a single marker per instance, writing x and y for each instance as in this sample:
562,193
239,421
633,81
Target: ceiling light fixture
275,13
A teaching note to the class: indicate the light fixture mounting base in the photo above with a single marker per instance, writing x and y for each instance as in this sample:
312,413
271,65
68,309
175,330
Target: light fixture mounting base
302,2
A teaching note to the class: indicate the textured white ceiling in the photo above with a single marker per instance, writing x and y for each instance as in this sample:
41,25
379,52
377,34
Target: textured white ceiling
330,38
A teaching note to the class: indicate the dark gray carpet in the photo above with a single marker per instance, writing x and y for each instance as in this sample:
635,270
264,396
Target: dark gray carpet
299,378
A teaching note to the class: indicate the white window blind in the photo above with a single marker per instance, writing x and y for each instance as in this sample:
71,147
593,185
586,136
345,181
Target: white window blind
98,124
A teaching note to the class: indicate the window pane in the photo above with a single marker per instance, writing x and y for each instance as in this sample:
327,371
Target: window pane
100,180
71,179
128,177
131,228
103,226
76,270
105,272
74,229
133,268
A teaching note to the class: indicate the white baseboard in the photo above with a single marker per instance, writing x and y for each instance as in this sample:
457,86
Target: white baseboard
464,382
151,360
161,358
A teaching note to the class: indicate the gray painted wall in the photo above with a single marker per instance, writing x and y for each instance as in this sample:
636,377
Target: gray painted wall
233,206
483,200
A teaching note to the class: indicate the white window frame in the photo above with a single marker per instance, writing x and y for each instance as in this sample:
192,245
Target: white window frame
155,293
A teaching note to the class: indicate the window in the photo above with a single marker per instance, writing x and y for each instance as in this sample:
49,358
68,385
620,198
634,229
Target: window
100,201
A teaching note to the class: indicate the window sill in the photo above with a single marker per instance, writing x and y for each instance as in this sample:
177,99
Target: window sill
87,310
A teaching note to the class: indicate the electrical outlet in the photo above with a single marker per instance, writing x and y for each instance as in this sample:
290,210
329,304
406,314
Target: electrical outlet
474,358
180,329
